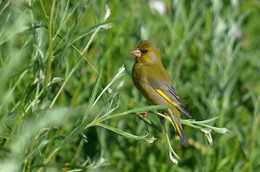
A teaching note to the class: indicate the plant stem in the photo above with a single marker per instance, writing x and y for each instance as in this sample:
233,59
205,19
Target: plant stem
50,45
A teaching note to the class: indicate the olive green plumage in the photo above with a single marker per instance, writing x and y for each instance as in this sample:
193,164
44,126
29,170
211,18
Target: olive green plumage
152,80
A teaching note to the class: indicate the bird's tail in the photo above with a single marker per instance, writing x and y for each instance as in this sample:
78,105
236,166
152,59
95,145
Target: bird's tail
175,112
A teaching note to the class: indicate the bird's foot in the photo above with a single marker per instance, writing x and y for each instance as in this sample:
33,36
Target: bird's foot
145,114
161,119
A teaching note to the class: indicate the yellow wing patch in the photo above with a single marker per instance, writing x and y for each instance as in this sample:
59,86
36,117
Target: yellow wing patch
159,91
166,97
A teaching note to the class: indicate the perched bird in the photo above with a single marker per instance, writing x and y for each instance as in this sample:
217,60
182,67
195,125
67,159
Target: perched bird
152,80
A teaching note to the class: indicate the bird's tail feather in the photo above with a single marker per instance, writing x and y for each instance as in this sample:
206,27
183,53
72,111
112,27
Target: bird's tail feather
178,127
181,133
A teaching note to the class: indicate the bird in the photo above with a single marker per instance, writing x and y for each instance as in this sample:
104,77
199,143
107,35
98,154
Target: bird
152,80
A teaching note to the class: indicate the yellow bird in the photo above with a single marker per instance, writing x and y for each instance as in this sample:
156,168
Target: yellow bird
152,80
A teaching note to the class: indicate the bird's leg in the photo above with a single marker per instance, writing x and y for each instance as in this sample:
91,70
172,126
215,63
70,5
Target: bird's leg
161,118
145,114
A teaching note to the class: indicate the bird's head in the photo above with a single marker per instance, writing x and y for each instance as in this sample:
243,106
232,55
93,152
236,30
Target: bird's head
146,53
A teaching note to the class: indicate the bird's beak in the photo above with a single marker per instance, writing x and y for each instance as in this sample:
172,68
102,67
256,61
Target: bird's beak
136,52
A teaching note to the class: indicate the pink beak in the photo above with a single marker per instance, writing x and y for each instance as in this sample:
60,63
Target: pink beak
136,52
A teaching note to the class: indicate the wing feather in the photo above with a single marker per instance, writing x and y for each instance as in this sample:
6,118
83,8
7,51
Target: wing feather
167,91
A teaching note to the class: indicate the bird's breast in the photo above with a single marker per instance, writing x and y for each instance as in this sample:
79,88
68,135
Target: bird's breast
141,82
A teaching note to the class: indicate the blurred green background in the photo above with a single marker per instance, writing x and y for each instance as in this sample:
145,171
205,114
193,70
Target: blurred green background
60,84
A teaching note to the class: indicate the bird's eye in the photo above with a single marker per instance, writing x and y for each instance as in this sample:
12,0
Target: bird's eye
144,51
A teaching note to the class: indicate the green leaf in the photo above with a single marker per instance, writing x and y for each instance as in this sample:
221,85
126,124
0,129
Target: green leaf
127,135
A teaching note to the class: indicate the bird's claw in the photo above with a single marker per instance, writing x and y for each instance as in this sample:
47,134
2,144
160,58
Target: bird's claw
145,114
161,119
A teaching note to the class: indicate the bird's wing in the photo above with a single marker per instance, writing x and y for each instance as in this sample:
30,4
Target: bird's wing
167,91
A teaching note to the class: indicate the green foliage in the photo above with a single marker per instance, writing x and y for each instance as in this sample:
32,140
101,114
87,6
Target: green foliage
65,84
